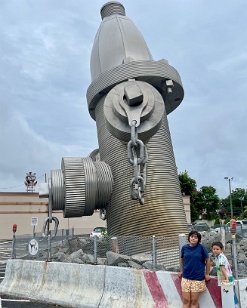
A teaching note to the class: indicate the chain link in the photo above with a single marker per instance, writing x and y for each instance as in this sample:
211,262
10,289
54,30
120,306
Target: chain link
136,147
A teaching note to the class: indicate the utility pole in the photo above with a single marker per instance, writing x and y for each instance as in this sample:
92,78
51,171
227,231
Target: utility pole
230,193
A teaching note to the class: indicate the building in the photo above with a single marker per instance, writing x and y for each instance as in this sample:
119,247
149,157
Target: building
22,208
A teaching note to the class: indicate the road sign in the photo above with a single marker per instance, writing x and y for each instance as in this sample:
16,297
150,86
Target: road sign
34,221
33,247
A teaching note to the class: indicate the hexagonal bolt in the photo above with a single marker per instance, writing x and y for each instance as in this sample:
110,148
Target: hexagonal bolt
133,95
169,85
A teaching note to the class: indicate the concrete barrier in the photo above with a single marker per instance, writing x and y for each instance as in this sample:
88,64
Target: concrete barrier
243,292
166,290
81,285
126,288
66,284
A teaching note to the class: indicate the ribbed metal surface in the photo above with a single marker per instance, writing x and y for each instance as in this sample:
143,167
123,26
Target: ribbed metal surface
153,72
105,184
162,213
75,186
91,185
111,8
83,184
95,155
117,41
57,187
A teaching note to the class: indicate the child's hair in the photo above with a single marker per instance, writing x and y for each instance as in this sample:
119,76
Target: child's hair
196,233
219,244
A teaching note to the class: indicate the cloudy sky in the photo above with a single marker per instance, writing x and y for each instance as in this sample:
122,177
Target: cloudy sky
45,49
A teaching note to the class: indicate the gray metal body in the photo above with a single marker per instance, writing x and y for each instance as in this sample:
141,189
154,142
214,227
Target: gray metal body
130,97
125,56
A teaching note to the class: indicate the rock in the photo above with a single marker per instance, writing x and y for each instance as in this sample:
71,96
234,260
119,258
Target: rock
141,258
77,260
213,271
134,264
59,256
172,268
115,258
122,264
77,254
101,261
148,265
73,244
241,257
64,249
88,259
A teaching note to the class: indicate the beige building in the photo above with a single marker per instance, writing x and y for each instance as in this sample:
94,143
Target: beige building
23,208
186,203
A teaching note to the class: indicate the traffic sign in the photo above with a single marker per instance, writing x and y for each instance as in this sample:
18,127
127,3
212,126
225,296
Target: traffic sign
33,247
34,221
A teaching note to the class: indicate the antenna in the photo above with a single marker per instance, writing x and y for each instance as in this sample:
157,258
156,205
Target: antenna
30,181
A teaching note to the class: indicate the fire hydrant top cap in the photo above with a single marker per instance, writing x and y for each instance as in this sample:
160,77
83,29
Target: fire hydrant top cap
111,8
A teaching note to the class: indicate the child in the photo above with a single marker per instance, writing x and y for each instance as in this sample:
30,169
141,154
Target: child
223,267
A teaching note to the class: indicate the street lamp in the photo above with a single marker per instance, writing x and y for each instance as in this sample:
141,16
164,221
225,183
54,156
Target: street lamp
241,200
230,192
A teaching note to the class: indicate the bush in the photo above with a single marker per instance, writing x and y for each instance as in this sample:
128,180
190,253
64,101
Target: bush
217,221
227,220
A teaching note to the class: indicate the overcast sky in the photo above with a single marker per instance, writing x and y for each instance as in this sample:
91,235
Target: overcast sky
45,49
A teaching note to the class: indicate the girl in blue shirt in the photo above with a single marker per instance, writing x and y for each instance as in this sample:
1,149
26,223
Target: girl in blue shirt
194,263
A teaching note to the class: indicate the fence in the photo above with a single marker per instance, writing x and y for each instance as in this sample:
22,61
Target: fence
241,230
161,252
157,250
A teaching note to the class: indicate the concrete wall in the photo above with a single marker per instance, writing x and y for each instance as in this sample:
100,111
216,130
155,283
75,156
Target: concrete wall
81,285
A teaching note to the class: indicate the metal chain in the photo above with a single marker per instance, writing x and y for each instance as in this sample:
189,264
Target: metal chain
135,147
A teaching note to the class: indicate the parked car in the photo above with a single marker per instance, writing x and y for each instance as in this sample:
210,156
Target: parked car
190,227
99,232
239,223
239,226
201,226
244,224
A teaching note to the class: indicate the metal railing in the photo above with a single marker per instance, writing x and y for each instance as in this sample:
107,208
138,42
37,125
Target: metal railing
160,252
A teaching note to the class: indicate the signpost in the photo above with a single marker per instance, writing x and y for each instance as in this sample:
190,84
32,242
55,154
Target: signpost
34,223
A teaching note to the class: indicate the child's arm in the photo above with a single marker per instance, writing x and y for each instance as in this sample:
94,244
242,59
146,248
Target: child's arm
208,266
224,273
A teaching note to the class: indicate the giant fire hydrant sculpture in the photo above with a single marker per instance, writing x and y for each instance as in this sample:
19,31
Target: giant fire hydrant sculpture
132,177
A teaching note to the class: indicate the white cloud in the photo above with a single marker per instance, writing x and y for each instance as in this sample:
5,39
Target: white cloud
44,61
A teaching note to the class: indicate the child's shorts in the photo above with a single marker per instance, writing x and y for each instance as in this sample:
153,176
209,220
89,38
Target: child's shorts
193,285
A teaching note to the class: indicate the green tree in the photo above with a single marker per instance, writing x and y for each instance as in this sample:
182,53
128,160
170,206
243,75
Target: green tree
217,221
188,188
203,202
239,201
207,202
187,184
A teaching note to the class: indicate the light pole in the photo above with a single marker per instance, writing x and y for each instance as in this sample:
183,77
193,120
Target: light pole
241,200
230,192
